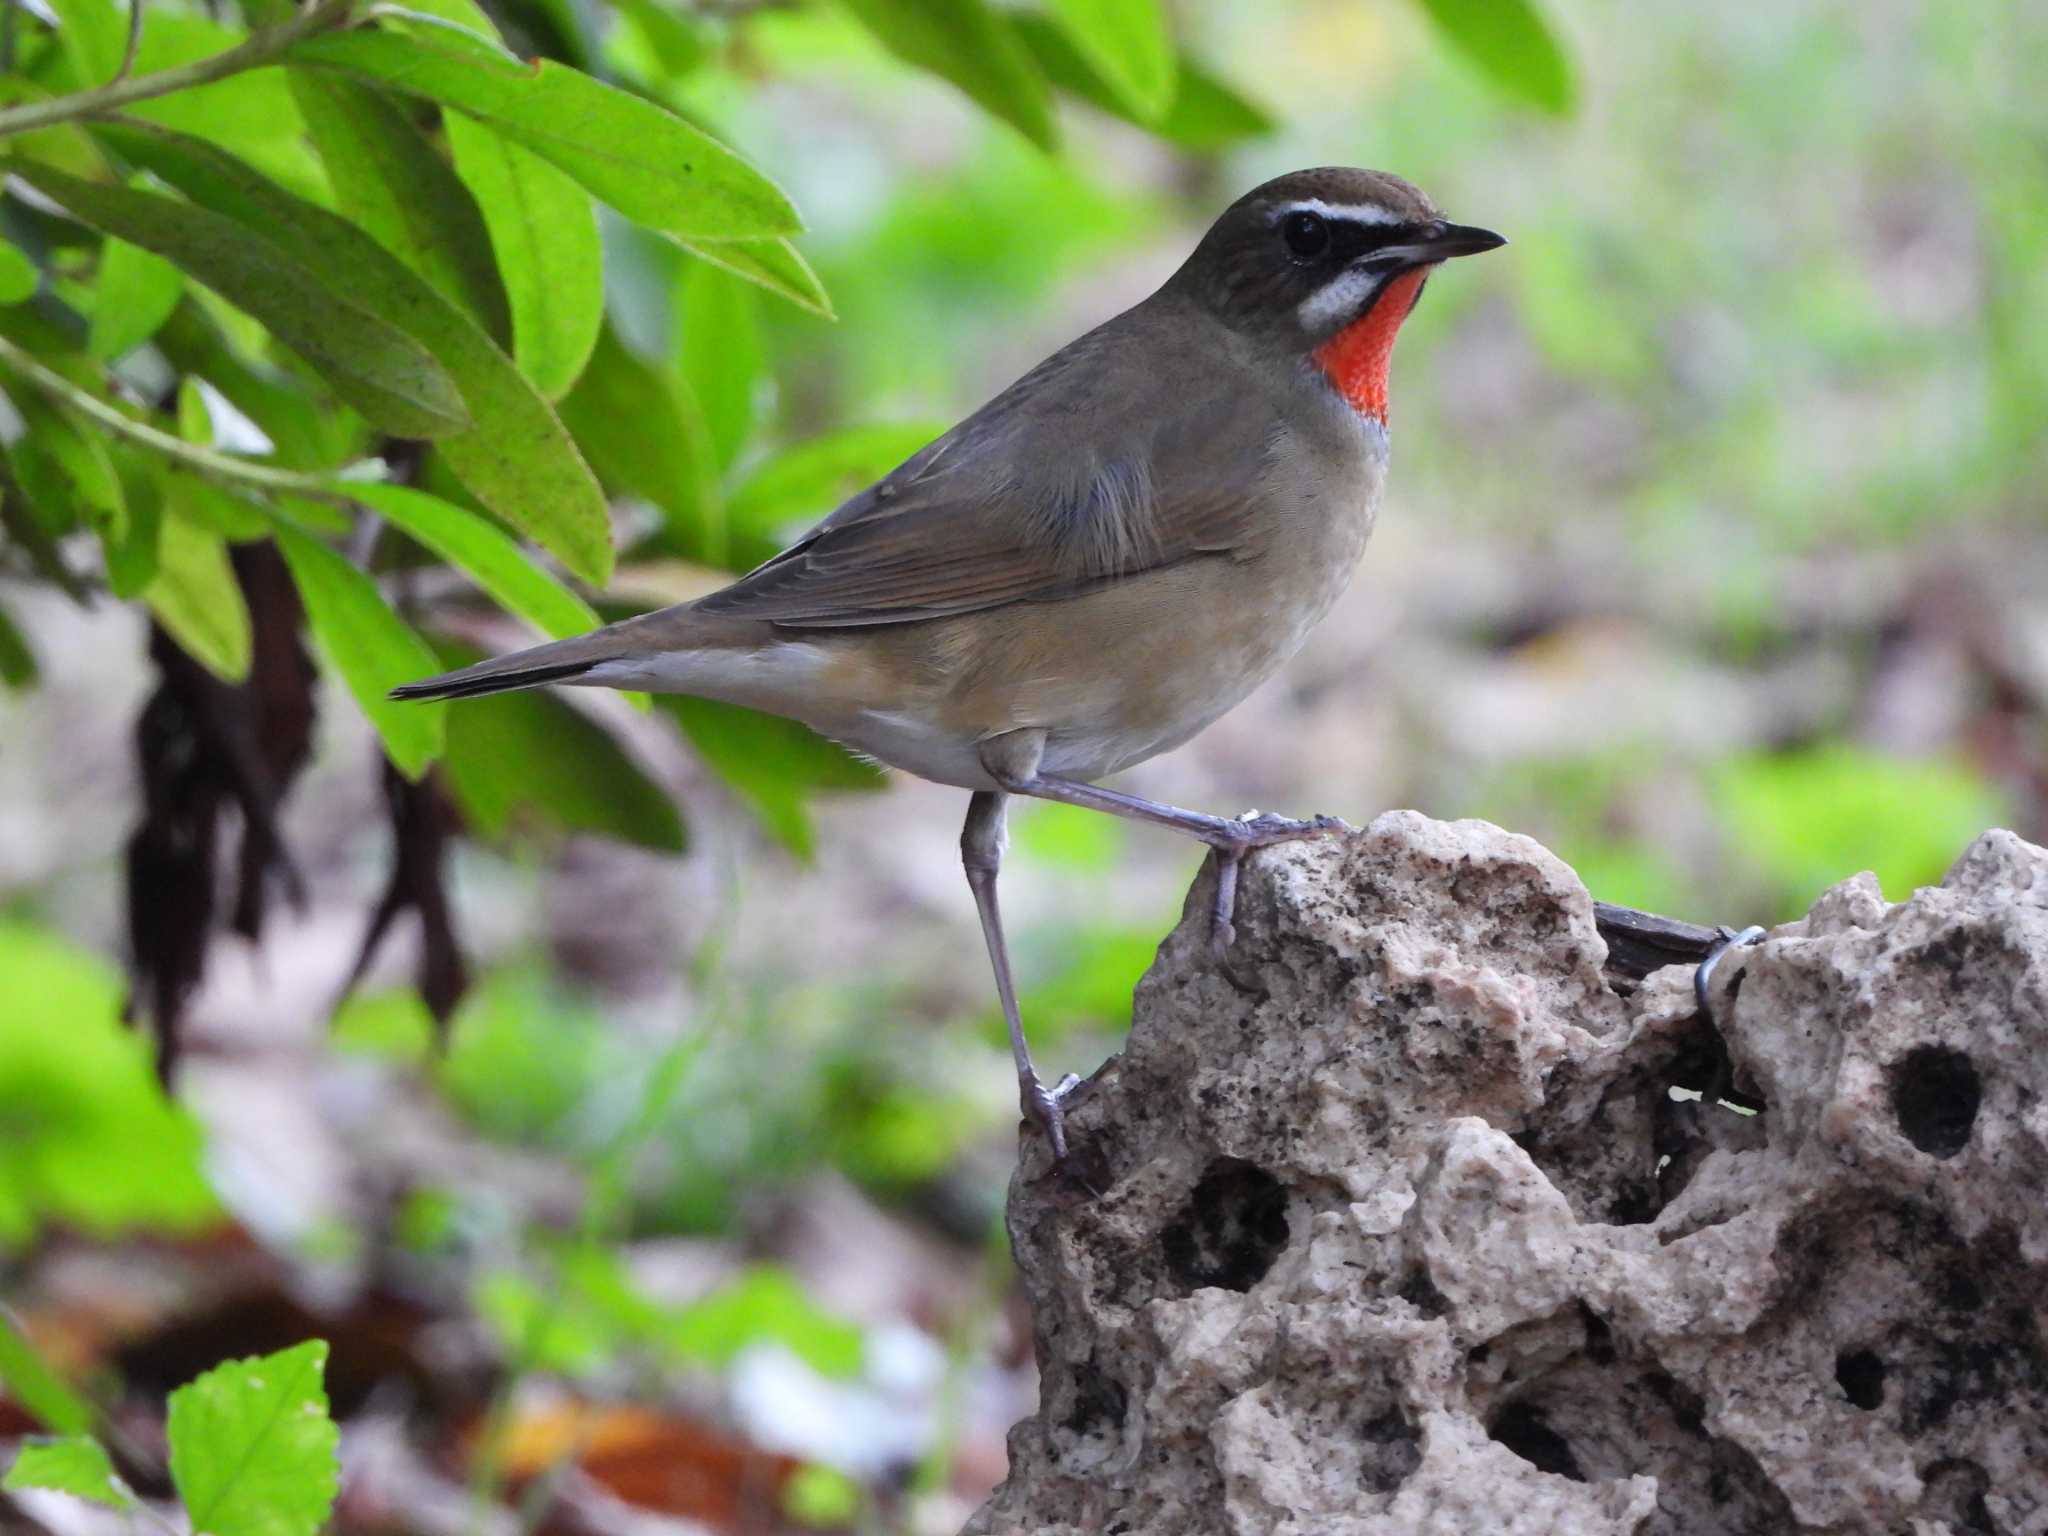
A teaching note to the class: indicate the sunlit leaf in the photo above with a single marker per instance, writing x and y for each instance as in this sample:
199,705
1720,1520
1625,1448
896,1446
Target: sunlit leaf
470,543
92,1144
527,762
718,347
1809,818
1128,45
544,231
31,1381
371,648
970,44
195,596
253,1450
18,275
94,34
517,456
389,179
1512,45
644,161
776,265
134,295
374,366
76,1465
1204,113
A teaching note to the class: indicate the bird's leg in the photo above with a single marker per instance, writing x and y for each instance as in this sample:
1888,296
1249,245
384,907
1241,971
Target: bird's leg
981,852
1229,838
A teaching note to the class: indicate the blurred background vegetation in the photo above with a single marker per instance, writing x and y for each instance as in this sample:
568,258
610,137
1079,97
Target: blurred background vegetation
1714,558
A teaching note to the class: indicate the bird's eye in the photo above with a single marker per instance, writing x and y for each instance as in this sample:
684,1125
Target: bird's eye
1307,235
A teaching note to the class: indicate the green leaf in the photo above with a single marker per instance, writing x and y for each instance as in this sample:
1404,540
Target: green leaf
76,1465
1205,113
527,762
517,456
1810,818
64,463
1128,45
646,438
221,512
652,166
18,275
373,365
17,661
370,646
970,44
390,179
92,1144
801,484
253,1450
195,596
775,265
250,112
496,562
765,1304
304,433
544,231
719,347
95,35
30,1381
1512,45
134,296
771,763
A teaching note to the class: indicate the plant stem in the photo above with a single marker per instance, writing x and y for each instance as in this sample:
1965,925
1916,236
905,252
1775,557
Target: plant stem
251,53
206,461
134,43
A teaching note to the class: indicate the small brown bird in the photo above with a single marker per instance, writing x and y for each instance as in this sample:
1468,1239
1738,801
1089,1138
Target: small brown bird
1097,563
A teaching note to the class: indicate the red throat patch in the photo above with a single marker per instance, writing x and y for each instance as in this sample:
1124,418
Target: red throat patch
1356,358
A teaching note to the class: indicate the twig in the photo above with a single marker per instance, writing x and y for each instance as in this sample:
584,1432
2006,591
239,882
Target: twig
251,53
134,43
206,461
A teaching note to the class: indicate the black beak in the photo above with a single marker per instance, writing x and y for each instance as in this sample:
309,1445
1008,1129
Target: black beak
1440,242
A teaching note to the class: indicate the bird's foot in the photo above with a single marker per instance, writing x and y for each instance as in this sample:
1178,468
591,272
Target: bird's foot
1254,829
1041,1106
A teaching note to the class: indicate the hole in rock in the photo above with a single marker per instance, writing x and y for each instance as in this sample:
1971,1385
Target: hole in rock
1861,1375
1393,1449
1231,1229
1523,1429
1955,1492
1935,1094
1099,1402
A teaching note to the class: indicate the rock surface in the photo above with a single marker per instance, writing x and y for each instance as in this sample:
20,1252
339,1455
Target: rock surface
1399,1228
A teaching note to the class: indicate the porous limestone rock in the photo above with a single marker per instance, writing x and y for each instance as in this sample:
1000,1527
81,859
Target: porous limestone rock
1396,1226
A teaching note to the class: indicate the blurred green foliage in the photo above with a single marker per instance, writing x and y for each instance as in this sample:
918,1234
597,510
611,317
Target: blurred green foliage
90,1141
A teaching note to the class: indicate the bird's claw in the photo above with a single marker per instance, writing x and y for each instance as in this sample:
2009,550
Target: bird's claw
1041,1106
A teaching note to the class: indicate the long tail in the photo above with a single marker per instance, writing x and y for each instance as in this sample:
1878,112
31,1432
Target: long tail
685,646
560,662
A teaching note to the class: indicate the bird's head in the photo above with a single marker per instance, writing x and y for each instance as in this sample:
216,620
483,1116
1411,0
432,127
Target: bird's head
1325,264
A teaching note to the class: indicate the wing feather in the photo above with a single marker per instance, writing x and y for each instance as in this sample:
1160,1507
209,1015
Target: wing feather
1081,473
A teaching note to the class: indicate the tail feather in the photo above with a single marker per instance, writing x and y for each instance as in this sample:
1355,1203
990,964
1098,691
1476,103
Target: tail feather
476,681
559,661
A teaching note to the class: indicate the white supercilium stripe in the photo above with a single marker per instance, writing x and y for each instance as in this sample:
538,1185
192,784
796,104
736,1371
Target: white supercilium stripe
1357,213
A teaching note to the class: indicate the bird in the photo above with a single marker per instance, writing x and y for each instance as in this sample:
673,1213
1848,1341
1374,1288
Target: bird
1096,564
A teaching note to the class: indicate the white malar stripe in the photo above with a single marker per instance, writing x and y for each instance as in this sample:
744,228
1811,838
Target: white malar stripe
1357,213
1340,298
